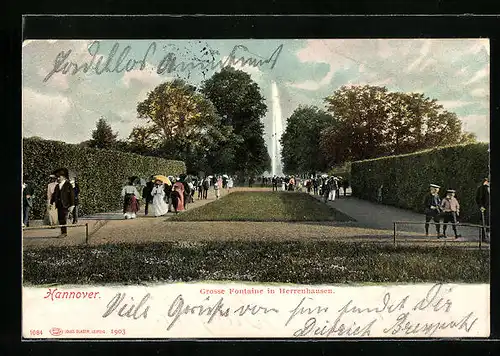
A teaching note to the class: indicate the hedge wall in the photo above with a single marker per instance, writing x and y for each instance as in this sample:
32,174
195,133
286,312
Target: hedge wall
406,178
101,173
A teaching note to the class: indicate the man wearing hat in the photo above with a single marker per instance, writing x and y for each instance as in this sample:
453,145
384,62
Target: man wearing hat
64,198
432,208
483,202
451,210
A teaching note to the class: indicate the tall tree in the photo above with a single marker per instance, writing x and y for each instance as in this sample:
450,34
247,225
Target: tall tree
103,136
300,142
238,100
373,122
180,123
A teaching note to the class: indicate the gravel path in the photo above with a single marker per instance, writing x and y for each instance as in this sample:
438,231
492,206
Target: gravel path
145,228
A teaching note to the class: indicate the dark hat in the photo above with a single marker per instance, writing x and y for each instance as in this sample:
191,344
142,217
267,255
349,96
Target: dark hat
434,186
450,191
62,172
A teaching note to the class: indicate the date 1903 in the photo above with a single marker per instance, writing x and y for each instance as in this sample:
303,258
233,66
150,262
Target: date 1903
118,332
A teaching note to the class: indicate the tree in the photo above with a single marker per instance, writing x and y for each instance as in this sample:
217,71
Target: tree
373,122
180,124
103,136
238,100
468,138
301,151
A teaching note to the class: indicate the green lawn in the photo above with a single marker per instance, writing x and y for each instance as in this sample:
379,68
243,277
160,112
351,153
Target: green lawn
264,206
303,262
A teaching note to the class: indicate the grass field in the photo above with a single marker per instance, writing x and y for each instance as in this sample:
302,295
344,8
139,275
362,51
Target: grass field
264,206
271,237
305,262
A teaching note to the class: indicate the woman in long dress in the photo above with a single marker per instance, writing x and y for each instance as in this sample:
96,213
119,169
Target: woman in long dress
160,208
130,200
180,189
51,214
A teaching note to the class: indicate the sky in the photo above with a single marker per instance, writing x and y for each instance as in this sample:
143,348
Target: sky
66,107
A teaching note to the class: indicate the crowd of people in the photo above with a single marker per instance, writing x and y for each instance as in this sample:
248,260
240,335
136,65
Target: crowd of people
161,194
62,200
447,209
329,187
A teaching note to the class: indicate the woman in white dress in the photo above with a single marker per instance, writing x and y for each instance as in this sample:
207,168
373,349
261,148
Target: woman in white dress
230,184
130,200
160,208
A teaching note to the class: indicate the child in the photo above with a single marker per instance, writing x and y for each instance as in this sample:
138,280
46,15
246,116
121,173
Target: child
451,210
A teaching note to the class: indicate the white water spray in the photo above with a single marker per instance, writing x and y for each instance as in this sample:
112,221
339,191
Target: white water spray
277,131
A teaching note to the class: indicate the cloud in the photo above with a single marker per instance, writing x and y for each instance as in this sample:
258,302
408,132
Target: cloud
424,51
254,72
44,115
480,93
58,81
147,76
454,104
480,74
478,124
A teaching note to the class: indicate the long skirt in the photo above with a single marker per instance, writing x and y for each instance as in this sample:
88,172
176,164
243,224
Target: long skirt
130,206
159,206
51,215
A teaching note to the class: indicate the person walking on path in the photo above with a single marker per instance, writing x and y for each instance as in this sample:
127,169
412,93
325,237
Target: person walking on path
160,207
51,214
274,181
291,184
309,186
76,188
325,190
146,193
451,211
380,192
483,203
230,184
315,184
64,199
175,197
131,198
206,186
432,208
180,189
217,189
345,185
28,192
333,187
200,188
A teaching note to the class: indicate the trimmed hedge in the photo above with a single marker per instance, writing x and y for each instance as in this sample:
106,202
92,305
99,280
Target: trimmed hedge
406,178
101,173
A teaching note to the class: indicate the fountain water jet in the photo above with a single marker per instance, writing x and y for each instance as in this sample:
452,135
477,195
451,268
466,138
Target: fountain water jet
277,131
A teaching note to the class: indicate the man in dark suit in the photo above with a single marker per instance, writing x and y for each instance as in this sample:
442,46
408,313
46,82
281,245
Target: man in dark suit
146,194
483,202
64,199
432,209
27,200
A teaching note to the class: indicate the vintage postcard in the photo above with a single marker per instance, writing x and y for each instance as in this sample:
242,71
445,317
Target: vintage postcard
298,188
